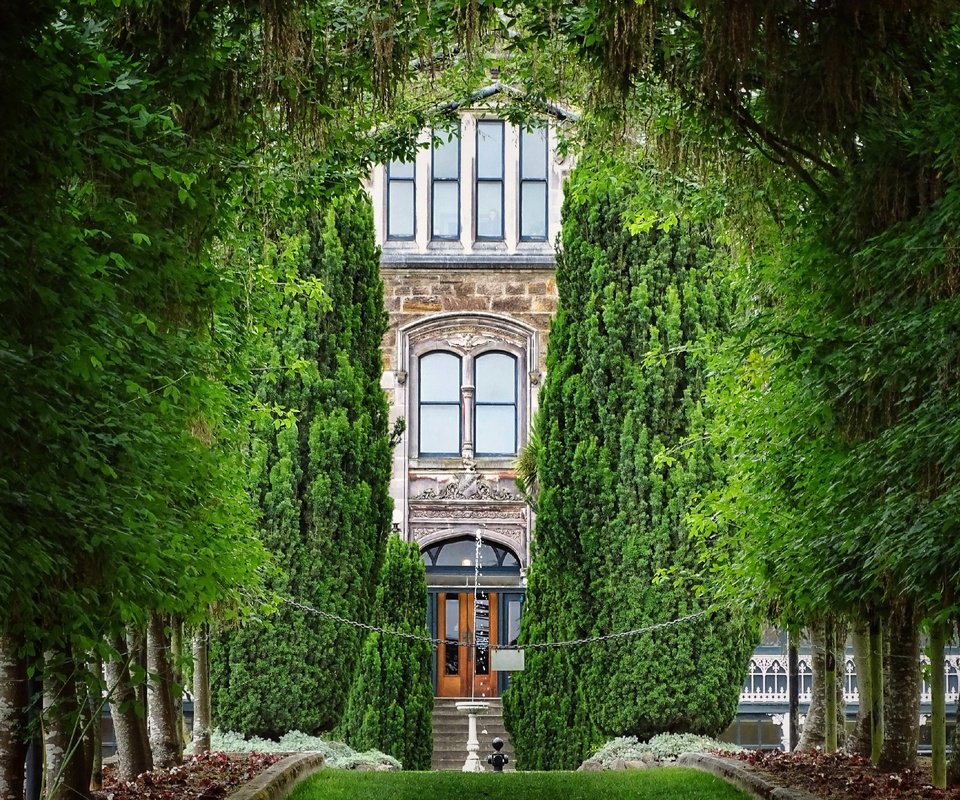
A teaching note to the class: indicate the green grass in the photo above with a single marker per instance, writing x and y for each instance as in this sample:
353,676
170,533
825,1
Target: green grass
665,783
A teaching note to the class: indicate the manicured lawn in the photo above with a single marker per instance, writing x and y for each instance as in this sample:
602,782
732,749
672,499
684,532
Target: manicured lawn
664,783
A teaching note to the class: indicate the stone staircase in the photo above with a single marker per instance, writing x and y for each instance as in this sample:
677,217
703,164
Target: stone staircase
450,734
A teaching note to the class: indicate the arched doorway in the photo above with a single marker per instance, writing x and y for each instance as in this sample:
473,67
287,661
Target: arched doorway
462,617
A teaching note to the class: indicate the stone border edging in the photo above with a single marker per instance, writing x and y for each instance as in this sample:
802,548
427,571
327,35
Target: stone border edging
277,781
749,782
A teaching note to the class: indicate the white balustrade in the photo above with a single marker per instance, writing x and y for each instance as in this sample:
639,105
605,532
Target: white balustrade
767,679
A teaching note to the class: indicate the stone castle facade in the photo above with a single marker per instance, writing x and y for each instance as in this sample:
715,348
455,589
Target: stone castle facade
467,231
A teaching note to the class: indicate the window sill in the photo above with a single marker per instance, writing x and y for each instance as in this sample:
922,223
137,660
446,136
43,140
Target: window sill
494,245
534,246
447,463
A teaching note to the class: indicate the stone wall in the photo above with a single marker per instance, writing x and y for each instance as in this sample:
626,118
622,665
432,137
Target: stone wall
525,295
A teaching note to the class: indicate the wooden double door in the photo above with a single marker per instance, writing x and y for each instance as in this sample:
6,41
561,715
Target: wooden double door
464,670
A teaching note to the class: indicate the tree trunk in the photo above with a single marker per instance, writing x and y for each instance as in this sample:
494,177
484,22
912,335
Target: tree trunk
938,691
96,730
859,740
65,778
137,648
793,669
201,691
86,724
876,687
953,765
34,776
902,690
813,727
829,686
163,729
176,671
13,719
130,727
840,631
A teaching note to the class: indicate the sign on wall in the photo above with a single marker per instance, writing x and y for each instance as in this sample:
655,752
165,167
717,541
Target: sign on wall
507,660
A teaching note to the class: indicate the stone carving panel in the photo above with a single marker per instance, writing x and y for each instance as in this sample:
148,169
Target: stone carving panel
466,514
467,337
469,486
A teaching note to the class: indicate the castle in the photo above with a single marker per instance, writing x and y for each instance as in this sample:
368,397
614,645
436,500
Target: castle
467,232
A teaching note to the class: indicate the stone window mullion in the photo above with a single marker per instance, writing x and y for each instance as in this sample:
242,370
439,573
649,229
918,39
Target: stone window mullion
467,392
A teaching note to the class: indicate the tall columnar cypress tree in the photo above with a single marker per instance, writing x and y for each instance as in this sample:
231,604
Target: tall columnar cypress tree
390,701
622,458
322,484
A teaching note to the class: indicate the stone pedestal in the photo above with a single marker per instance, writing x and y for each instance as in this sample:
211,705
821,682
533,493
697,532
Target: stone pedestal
471,708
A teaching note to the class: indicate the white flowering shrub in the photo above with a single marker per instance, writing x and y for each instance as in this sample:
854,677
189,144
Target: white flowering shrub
663,747
337,754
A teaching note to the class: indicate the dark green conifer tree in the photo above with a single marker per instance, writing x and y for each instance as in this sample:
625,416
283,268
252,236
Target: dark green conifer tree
391,698
622,458
322,484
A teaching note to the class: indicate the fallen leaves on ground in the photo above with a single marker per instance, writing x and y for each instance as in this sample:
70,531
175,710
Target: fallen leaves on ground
210,776
839,775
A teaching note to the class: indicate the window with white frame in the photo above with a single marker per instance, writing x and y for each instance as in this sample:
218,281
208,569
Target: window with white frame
445,185
489,182
440,382
467,405
495,420
401,200
492,173
533,184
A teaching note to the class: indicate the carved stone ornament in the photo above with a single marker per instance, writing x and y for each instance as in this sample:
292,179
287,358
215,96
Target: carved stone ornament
535,377
511,535
467,341
468,486
401,376
470,514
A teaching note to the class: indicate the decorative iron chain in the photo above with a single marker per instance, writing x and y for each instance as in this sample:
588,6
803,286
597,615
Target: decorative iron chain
533,646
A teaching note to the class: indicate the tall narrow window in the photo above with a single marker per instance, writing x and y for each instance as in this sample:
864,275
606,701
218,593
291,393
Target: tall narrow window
533,184
496,404
445,199
401,200
439,418
489,179
451,634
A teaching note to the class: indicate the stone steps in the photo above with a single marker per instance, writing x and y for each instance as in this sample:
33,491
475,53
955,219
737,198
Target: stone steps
450,734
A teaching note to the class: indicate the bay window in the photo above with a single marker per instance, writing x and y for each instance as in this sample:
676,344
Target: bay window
490,174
